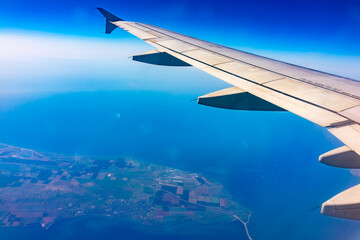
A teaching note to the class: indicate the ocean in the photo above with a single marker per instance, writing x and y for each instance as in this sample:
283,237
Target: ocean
267,161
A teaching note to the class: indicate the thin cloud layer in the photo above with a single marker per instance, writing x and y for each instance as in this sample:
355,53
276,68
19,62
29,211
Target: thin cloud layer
41,62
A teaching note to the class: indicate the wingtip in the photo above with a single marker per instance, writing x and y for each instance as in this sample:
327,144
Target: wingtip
109,19
109,16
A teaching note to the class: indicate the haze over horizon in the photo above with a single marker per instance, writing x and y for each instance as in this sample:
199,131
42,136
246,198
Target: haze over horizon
54,40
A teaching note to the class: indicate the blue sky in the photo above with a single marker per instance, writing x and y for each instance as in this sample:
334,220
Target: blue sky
60,45
331,26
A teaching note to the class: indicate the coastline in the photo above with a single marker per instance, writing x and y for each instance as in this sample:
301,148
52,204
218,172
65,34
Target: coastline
186,230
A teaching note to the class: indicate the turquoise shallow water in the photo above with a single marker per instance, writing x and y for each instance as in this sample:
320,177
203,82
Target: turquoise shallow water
267,161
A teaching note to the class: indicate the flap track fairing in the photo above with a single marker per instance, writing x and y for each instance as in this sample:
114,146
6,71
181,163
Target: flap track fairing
342,157
159,58
237,99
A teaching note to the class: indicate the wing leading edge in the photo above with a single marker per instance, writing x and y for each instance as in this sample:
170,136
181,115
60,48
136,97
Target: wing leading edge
328,100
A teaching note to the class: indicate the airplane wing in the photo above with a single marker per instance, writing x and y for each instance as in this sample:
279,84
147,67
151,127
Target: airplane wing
261,83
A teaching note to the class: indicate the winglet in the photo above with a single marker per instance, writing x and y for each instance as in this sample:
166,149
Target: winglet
109,18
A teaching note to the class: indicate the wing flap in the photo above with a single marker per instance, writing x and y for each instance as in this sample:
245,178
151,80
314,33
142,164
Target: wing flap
141,34
348,134
306,110
177,45
247,71
318,96
207,57
352,113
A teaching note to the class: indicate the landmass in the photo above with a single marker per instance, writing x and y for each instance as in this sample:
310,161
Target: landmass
38,189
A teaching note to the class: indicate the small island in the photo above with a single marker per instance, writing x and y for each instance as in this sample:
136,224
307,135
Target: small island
38,189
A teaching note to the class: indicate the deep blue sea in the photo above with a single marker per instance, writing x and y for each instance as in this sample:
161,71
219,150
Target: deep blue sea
267,161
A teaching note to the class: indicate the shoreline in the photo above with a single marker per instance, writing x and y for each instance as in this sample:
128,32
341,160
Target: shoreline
182,229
